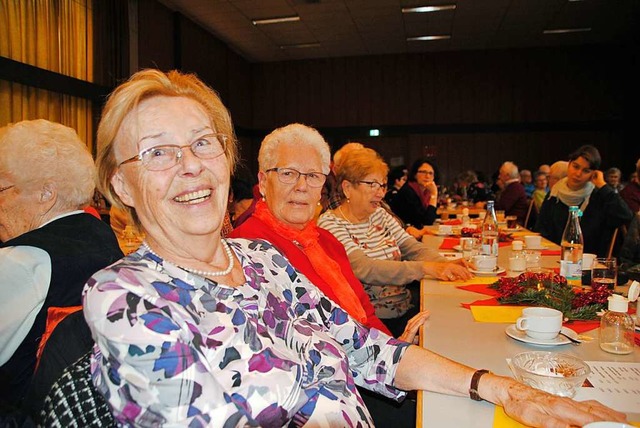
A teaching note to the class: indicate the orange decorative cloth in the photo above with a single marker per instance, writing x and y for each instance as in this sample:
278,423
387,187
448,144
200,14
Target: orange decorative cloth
307,241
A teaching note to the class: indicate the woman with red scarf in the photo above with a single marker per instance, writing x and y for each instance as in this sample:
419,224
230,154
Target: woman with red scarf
285,217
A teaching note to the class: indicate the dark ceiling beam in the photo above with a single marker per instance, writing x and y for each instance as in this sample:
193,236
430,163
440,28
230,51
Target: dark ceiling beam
25,74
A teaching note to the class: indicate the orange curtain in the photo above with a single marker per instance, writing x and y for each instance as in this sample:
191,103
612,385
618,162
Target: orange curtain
55,35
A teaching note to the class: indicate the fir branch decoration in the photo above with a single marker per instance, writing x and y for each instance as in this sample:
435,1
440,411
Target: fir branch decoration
552,291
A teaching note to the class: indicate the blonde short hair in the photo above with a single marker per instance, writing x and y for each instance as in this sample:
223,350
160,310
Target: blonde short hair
141,86
45,151
356,164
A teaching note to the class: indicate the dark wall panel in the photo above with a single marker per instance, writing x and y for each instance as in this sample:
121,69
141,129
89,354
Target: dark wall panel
156,36
533,85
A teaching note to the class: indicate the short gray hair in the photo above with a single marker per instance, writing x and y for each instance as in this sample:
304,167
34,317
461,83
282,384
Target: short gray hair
558,170
45,151
511,169
298,134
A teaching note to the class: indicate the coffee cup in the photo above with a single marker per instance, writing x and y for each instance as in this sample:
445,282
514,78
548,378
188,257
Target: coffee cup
533,241
540,323
485,262
512,221
587,260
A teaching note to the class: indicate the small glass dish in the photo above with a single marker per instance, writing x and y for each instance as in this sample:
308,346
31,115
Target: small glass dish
558,374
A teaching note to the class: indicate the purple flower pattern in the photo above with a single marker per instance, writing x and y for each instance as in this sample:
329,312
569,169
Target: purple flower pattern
173,348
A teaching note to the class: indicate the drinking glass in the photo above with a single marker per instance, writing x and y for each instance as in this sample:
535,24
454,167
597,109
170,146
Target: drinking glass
604,273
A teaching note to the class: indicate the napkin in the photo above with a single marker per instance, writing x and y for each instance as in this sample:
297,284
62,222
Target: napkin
449,243
454,222
502,420
551,252
502,313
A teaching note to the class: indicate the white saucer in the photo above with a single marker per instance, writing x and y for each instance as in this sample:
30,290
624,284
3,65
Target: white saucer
498,270
515,229
521,336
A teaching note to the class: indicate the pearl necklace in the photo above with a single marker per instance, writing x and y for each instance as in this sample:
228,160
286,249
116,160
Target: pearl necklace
227,250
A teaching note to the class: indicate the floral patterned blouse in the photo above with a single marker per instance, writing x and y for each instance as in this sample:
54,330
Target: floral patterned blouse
176,349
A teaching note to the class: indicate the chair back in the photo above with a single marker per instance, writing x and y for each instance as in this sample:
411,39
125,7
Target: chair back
74,402
528,216
619,232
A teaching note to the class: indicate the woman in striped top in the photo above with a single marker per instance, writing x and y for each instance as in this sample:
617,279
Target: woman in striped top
383,256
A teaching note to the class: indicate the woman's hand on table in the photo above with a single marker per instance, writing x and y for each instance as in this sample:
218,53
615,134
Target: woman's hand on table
411,330
415,232
539,409
447,271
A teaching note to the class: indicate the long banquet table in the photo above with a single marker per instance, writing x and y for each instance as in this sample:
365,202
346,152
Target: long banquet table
451,331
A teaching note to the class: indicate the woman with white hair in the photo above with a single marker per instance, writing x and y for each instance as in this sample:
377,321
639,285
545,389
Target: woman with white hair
513,197
50,246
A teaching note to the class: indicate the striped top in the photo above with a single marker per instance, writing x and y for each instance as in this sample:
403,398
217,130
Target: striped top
379,238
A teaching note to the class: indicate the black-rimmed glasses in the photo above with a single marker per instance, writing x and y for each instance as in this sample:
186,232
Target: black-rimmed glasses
374,185
166,156
291,176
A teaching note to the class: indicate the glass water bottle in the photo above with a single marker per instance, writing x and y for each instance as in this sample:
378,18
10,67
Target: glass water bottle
490,231
572,244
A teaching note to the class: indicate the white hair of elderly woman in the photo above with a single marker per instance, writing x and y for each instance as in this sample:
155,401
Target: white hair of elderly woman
45,151
294,134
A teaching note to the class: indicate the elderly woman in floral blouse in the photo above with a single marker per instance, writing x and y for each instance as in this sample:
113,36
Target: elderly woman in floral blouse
195,330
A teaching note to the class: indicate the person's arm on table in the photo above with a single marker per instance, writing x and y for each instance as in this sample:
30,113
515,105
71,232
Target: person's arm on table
421,369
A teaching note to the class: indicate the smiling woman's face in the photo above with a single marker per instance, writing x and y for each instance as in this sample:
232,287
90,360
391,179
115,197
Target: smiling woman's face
190,198
293,204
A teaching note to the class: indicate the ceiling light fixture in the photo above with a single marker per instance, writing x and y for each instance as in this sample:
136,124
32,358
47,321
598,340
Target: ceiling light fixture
276,20
567,30
421,38
301,45
425,9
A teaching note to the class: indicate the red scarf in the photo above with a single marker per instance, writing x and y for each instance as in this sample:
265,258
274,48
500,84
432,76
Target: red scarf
424,195
307,241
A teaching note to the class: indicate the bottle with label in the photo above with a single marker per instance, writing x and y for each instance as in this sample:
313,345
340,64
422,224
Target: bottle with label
572,243
490,231
616,327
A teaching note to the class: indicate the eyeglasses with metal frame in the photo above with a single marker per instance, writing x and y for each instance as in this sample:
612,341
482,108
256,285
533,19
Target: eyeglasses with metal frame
162,157
291,176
